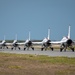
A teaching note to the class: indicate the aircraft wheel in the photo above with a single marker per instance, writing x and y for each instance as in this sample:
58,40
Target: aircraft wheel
24,48
7,47
41,49
19,48
60,49
32,48
52,49
11,48
73,49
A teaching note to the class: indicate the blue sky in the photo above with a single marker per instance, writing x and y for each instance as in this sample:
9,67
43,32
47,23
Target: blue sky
21,16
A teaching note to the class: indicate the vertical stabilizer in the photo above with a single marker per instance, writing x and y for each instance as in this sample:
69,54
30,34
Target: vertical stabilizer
29,35
69,33
48,33
3,40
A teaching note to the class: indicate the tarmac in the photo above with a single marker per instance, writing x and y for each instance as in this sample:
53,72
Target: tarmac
55,53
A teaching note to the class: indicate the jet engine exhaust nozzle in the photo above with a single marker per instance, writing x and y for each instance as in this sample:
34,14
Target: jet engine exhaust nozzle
69,42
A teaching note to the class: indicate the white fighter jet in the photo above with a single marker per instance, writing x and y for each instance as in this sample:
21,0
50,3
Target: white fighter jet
65,42
46,42
3,44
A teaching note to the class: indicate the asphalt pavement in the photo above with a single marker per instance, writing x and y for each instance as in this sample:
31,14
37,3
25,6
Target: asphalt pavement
54,53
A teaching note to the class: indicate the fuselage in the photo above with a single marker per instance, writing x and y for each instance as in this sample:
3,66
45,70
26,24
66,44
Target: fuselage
46,42
28,43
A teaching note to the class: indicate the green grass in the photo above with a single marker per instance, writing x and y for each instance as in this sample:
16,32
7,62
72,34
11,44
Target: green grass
40,58
23,64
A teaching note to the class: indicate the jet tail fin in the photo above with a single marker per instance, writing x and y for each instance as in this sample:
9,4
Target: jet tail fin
29,35
69,33
48,33
68,37
4,39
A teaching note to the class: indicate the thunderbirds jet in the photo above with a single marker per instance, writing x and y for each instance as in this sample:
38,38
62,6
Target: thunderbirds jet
28,44
15,44
65,42
46,42
3,44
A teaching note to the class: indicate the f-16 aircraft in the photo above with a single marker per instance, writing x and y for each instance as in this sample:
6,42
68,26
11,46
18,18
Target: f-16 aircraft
65,42
3,44
15,44
46,42
28,44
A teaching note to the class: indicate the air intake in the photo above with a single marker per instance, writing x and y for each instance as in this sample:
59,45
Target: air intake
69,42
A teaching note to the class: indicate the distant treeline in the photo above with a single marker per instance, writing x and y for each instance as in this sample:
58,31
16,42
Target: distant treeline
10,41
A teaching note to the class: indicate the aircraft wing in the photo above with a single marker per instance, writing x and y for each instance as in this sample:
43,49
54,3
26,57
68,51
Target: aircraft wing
55,42
37,42
8,44
21,43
